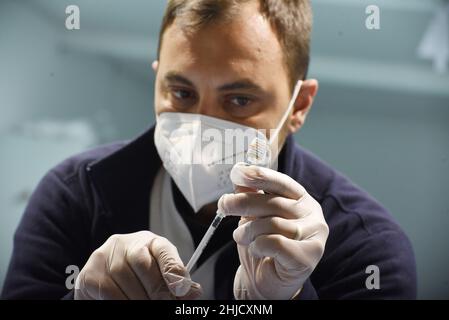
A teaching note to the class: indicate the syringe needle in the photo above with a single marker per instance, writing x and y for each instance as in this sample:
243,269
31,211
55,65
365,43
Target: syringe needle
204,241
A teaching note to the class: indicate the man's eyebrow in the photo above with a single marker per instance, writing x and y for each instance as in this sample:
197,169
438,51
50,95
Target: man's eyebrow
176,77
244,84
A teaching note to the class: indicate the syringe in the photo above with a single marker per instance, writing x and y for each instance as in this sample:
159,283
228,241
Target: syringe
256,154
203,243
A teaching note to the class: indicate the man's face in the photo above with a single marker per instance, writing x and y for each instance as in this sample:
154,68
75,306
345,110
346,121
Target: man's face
232,71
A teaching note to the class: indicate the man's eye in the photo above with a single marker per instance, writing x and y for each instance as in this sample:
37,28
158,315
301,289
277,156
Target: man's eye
182,94
240,101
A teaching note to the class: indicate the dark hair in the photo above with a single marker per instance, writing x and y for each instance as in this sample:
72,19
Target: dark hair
291,20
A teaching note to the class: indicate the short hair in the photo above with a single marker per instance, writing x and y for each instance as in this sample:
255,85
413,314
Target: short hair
290,19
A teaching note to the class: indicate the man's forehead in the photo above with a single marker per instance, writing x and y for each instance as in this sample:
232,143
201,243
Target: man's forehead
248,36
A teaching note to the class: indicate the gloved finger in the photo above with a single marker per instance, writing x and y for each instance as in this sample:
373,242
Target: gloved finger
242,285
297,229
94,282
107,289
239,189
194,293
300,256
171,266
257,279
244,220
85,290
146,269
122,274
248,232
262,205
266,179
175,282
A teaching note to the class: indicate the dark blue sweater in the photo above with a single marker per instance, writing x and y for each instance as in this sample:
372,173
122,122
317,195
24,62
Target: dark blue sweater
105,191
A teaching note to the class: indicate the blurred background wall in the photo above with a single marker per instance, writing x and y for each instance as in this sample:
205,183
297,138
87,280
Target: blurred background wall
381,116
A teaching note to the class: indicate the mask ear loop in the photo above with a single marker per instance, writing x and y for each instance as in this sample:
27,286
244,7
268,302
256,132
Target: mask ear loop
280,125
287,112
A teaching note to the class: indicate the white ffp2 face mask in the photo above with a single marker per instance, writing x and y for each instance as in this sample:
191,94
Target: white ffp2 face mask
199,151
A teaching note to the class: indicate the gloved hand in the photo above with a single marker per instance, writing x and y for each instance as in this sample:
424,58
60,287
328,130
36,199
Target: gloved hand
139,265
281,235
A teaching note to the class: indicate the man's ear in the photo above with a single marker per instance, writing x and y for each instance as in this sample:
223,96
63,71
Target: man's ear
154,65
303,103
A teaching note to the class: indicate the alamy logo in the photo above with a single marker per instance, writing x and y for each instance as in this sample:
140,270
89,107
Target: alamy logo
72,21
73,272
373,280
372,21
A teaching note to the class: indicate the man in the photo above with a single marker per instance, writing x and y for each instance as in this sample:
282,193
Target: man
130,215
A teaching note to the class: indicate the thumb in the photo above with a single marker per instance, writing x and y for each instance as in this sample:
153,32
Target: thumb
182,286
238,177
171,266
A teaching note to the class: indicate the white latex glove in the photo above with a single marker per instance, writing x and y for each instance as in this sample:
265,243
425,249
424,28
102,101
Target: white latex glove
139,265
281,235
